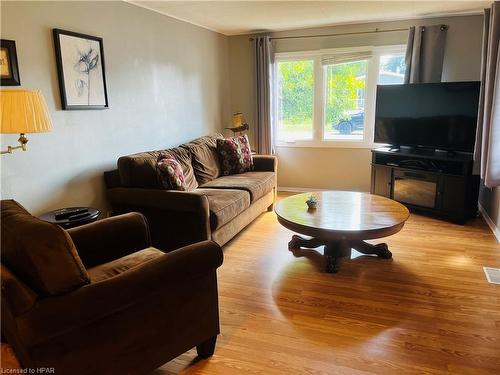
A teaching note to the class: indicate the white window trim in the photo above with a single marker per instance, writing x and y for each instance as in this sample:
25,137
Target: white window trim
319,95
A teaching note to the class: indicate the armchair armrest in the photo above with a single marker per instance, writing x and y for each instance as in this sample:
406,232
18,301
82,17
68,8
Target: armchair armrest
265,163
172,276
176,218
111,238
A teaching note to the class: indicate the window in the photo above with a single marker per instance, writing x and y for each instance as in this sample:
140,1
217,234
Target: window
327,97
345,100
295,100
391,69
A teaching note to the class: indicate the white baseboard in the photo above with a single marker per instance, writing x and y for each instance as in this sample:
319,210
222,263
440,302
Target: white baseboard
305,190
491,224
297,189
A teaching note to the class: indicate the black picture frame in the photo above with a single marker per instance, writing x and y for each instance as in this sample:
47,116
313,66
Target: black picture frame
9,48
64,86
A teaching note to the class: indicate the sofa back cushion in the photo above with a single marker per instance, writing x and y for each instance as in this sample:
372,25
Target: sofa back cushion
139,170
204,157
41,254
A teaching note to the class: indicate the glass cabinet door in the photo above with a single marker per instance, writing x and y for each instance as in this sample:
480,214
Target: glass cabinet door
415,188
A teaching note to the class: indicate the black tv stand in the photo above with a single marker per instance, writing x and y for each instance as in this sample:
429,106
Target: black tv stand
427,181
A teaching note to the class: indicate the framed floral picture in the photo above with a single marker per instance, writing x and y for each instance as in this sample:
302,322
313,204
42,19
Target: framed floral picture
80,67
9,71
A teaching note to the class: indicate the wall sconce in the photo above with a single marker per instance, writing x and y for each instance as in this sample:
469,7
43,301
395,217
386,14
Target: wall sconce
21,112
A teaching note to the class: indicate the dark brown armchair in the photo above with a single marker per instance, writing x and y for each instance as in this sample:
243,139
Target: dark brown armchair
99,300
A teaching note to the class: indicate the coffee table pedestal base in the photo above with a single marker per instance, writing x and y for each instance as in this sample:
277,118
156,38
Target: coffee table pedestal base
336,249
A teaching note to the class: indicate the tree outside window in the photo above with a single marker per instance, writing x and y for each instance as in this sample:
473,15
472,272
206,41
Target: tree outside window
295,99
345,99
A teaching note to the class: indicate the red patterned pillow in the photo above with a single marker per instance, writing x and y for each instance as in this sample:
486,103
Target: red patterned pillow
235,155
170,173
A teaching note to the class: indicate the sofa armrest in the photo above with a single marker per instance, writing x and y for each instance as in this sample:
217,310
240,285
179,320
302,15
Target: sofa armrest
169,276
112,238
159,199
176,218
265,163
112,179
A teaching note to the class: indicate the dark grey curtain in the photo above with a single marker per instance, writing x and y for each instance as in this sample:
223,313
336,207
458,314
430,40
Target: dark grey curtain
425,54
263,75
487,149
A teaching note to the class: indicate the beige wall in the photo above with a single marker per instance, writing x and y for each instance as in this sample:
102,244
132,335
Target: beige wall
167,83
340,168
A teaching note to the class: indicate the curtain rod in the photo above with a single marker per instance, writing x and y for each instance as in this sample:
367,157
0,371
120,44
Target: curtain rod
343,34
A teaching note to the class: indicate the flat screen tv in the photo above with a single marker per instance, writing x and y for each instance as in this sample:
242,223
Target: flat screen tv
431,115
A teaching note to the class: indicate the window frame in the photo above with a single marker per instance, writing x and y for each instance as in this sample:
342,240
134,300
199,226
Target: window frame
319,97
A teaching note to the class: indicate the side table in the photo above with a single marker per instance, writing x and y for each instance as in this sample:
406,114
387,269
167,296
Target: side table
71,217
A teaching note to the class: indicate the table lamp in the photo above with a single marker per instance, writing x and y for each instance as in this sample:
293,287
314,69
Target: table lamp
238,125
23,111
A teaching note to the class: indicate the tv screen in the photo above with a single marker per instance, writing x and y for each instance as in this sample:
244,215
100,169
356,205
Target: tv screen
434,115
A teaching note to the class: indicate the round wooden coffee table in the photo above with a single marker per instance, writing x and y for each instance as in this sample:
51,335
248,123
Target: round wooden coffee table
341,221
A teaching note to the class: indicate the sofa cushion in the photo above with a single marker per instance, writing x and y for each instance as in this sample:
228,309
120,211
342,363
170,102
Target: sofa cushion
257,184
139,170
41,254
170,173
204,157
235,155
224,204
110,269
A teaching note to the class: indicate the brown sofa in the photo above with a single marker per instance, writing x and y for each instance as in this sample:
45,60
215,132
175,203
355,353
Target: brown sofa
98,299
217,207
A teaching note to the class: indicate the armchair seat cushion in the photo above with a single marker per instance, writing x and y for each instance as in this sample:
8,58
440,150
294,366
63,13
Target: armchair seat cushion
118,266
224,204
257,184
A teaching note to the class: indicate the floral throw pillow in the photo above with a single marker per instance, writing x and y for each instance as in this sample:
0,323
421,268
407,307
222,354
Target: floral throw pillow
235,155
170,173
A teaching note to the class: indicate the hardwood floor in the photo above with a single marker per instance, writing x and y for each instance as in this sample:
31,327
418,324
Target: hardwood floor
428,310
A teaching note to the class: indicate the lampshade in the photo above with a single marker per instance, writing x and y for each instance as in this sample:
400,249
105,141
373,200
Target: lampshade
237,119
23,111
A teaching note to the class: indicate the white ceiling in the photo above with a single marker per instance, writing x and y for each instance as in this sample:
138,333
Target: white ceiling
243,17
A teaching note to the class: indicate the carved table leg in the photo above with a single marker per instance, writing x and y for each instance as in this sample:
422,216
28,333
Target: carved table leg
298,241
381,249
333,252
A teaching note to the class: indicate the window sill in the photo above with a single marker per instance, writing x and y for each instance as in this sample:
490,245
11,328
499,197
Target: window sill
327,144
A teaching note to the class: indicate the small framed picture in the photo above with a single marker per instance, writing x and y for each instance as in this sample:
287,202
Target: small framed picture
80,67
9,71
